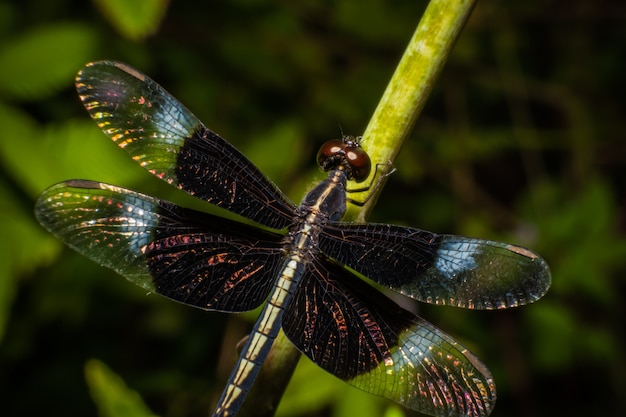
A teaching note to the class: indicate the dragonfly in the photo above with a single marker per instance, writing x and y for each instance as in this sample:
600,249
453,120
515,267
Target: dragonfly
302,261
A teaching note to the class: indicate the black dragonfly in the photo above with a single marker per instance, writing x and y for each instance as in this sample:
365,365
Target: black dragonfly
303,259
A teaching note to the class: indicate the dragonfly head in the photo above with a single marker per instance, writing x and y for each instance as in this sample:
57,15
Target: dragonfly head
345,154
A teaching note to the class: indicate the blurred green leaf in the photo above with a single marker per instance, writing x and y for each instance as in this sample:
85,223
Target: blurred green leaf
312,389
44,59
19,132
355,402
586,255
78,149
286,136
582,234
72,149
24,245
111,395
134,19
554,346
394,411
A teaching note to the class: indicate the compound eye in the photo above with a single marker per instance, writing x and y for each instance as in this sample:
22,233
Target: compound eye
359,162
345,154
329,154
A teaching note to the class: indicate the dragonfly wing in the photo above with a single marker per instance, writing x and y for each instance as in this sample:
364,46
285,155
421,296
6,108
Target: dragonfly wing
189,256
439,269
165,138
357,334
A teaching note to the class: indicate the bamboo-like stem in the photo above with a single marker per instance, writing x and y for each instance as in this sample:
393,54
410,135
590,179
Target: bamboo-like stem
393,119
410,87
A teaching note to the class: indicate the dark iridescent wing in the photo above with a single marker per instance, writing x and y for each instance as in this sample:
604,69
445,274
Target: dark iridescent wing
439,269
352,331
189,256
165,138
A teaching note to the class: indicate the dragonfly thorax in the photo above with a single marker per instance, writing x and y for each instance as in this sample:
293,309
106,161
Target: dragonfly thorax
327,200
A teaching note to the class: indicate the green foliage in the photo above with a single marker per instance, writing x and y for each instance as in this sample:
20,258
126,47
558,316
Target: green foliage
521,141
582,230
314,390
111,395
134,19
58,47
19,256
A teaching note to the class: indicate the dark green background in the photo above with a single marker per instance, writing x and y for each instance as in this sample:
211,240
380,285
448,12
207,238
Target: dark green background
521,141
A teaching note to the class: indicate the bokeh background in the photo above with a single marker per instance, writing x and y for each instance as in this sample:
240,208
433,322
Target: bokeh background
522,141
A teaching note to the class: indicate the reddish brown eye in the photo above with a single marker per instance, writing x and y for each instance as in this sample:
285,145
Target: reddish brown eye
360,163
347,155
329,150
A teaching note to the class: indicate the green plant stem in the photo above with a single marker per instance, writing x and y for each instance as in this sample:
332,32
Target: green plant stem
410,87
393,119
